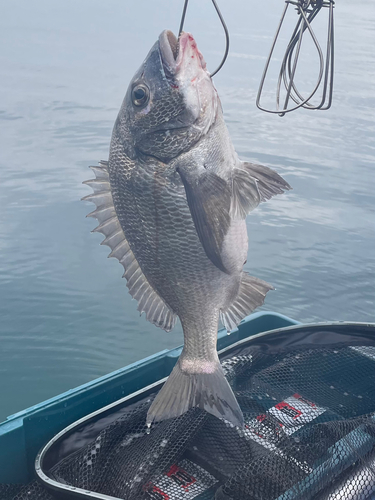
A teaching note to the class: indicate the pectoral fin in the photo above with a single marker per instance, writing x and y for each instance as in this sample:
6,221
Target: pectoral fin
208,197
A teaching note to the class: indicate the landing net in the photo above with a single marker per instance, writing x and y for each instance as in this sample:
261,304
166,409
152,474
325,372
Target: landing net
310,434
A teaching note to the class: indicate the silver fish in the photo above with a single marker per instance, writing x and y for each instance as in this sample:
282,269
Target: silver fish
172,202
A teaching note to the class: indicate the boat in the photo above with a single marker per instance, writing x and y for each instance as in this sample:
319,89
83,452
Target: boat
34,440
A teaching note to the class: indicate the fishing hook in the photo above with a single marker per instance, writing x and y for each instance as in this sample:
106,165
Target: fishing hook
224,27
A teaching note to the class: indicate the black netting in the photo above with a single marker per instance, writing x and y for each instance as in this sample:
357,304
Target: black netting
309,434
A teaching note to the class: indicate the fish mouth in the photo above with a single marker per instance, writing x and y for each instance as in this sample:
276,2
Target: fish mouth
177,53
185,71
169,47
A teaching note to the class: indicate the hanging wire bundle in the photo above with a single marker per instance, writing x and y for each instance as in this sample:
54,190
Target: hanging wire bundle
307,11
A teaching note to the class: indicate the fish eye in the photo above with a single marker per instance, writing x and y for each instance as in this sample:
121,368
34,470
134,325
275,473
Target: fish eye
140,95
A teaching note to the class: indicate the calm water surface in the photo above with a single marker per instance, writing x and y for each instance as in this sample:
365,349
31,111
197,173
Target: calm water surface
66,316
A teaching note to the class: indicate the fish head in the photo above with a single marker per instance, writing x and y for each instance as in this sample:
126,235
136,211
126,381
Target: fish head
171,101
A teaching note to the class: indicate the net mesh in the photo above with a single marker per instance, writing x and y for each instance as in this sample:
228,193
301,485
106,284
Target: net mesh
309,433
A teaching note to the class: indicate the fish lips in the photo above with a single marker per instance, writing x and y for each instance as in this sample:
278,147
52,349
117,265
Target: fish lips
168,47
182,63
176,53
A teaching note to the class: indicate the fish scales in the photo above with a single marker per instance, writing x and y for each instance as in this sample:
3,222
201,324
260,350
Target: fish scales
180,196
173,254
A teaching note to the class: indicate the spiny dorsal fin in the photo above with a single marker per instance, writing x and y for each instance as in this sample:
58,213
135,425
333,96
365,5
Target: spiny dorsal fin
251,295
157,312
252,184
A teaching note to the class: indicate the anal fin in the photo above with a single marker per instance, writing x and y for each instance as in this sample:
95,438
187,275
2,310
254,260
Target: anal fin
251,295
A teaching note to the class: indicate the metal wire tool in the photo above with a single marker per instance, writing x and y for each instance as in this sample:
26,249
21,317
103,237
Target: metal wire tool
224,27
307,10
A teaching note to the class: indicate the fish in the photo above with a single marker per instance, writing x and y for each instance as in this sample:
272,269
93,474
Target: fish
171,201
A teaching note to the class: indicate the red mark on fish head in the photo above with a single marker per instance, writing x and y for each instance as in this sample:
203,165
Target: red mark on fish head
189,50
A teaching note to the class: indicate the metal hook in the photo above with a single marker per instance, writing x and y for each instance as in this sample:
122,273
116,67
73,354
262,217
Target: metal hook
224,27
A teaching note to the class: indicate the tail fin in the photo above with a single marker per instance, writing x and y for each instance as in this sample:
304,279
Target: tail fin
208,391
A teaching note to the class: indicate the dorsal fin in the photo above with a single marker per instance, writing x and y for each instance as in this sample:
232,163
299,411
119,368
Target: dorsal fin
251,295
157,311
